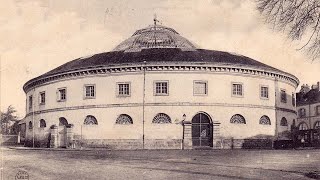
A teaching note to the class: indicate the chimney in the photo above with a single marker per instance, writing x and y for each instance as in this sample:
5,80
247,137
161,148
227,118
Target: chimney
305,88
314,86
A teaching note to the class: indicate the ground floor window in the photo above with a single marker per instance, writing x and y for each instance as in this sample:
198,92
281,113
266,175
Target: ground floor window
63,121
283,122
90,120
161,118
265,120
124,119
303,126
238,119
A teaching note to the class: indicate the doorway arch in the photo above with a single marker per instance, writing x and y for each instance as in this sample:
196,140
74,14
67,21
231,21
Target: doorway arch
63,121
62,132
202,130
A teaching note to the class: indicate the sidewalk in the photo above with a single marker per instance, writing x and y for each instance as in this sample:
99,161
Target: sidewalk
20,147
47,149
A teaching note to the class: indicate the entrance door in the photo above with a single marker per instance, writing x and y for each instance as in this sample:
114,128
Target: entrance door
202,130
62,132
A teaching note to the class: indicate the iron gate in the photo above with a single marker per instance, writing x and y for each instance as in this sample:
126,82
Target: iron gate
202,130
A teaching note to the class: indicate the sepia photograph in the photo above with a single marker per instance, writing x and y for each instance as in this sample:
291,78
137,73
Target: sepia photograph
160,89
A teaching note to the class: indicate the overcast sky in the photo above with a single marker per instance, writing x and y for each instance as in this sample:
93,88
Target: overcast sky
39,35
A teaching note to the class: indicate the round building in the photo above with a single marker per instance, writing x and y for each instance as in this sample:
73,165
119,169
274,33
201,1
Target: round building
157,90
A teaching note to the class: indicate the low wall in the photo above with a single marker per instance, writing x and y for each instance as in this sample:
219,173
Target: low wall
42,142
9,139
244,144
218,143
172,143
129,143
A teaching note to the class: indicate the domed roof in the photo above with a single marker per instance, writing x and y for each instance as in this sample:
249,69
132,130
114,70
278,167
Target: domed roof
157,45
155,36
161,56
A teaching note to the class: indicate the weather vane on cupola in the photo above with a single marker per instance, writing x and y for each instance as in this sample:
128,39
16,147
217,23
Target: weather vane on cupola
155,20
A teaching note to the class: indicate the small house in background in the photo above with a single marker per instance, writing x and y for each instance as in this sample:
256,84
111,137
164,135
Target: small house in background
308,109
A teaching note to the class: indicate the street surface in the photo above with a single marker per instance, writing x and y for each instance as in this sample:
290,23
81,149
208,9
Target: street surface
159,164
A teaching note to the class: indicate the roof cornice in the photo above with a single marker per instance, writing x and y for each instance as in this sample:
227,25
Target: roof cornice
163,66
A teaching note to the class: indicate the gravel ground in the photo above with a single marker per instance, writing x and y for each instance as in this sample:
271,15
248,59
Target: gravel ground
160,164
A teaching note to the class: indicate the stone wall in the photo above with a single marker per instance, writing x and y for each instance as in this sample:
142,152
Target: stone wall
129,143
8,139
244,144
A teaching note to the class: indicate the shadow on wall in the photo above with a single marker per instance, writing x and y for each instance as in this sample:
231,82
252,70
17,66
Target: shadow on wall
256,142
8,139
41,139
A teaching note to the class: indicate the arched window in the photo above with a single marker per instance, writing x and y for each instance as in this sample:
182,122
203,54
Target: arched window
161,118
30,125
302,112
63,121
238,119
43,123
90,120
265,120
283,122
303,126
124,119
317,125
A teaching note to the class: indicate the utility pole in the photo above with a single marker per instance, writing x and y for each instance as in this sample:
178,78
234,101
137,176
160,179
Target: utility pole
143,103
33,103
276,87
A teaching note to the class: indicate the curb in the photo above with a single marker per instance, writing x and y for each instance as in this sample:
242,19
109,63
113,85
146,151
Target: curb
48,149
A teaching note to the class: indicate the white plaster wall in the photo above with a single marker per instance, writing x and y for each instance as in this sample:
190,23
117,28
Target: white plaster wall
180,90
219,103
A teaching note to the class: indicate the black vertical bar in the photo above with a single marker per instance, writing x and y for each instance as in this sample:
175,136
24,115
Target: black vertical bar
143,103
182,135
200,129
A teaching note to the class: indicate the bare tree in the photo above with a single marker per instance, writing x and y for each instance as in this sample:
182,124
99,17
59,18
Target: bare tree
298,18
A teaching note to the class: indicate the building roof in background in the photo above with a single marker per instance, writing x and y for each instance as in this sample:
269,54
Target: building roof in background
310,97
